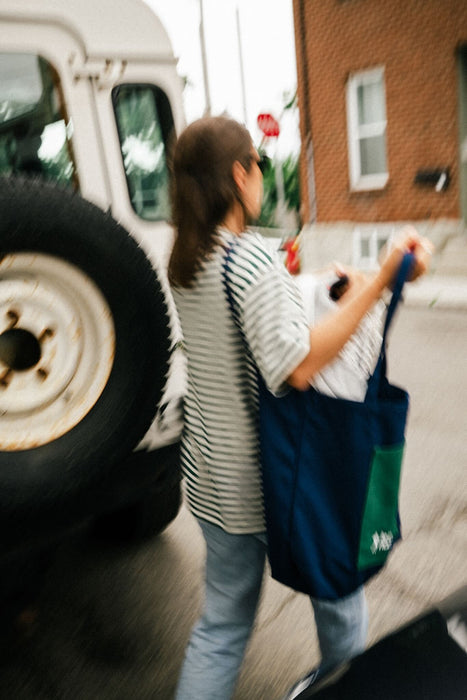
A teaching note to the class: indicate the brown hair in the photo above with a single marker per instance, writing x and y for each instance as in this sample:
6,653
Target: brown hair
203,189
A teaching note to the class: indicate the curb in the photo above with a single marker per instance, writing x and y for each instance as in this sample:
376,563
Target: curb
438,292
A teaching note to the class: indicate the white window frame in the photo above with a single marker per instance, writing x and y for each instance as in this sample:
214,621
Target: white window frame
356,131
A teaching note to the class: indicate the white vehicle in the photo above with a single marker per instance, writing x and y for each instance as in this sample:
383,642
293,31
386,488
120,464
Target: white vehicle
89,103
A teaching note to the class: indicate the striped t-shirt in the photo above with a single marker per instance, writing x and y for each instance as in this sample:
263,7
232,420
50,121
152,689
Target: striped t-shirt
220,447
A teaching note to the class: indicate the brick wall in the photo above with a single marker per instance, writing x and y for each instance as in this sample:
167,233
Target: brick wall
415,41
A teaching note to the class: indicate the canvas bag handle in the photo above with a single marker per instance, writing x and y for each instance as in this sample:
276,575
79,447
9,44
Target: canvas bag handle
380,371
401,278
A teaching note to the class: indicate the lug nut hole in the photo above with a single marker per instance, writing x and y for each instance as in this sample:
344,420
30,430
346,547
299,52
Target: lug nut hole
19,349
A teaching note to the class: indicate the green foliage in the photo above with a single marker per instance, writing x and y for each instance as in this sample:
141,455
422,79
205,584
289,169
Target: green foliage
290,173
290,169
268,209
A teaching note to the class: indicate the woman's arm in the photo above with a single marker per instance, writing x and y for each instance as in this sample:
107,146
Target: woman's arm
329,336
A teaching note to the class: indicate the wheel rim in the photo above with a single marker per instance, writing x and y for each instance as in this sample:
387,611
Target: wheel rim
57,345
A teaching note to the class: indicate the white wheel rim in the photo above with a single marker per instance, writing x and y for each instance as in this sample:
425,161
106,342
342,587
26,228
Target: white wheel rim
61,311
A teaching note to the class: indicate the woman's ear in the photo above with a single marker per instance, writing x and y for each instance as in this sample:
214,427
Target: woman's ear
239,175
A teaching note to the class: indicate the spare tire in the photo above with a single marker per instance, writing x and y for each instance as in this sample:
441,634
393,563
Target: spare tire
84,346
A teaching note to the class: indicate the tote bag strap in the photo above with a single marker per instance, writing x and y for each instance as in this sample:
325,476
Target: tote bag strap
225,270
401,278
229,295
233,310
379,375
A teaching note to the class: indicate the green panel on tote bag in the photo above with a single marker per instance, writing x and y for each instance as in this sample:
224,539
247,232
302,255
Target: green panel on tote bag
380,525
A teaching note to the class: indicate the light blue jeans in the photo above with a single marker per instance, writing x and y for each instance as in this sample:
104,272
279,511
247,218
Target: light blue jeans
234,573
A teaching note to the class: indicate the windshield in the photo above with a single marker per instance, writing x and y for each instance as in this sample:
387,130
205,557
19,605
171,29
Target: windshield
145,127
34,132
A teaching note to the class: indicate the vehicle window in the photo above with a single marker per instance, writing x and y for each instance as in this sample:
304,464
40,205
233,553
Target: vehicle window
34,132
145,126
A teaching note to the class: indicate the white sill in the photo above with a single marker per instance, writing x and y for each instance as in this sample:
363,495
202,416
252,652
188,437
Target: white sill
373,182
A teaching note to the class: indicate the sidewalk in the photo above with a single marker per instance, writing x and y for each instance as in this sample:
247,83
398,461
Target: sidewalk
438,292
445,287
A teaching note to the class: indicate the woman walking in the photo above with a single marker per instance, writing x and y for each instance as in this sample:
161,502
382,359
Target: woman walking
217,188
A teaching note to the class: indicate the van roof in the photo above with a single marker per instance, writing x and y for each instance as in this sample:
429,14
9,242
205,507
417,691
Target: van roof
106,28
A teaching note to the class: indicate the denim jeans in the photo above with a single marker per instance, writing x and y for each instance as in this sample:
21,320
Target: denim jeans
234,573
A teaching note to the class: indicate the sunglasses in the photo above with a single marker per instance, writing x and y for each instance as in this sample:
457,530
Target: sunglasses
264,163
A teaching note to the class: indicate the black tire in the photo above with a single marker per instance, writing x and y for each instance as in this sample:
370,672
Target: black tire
39,218
144,498
139,521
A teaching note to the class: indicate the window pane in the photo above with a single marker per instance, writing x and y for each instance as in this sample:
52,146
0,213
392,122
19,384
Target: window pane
33,133
145,123
371,106
373,155
20,85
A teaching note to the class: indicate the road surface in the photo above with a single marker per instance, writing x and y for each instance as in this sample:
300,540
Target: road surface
114,621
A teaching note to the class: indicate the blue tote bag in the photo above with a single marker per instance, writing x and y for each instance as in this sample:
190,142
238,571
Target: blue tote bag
331,473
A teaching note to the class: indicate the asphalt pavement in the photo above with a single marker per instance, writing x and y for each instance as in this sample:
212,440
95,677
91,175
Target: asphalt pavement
438,291
114,620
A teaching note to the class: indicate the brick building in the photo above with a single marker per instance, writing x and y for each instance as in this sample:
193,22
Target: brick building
382,90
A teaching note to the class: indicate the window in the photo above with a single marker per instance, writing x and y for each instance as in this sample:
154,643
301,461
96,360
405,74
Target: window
145,126
366,119
34,132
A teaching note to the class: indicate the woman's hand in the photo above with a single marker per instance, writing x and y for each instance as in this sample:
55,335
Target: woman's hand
329,336
349,282
407,241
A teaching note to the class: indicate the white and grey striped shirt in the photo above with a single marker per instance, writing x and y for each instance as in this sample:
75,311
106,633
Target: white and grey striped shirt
220,450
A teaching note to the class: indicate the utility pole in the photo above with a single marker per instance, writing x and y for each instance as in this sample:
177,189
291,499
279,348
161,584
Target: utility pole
242,72
204,60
